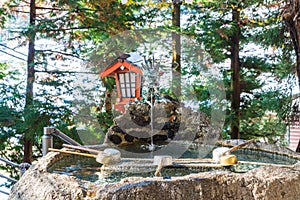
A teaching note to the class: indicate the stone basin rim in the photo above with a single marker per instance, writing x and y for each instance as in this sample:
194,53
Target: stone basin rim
56,156
254,184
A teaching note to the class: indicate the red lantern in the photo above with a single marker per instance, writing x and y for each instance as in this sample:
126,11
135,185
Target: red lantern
128,80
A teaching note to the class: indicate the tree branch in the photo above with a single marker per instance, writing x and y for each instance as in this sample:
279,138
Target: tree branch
12,49
13,55
77,10
75,28
59,52
64,72
19,11
46,8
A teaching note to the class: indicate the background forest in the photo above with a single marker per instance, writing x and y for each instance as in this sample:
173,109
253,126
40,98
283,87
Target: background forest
45,45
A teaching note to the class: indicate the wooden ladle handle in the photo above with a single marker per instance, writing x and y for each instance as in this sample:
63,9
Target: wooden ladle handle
82,148
238,146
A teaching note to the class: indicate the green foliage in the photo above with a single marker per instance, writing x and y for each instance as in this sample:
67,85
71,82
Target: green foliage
2,70
9,117
266,116
203,96
43,112
4,15
210,36
104,112
105,120
211,23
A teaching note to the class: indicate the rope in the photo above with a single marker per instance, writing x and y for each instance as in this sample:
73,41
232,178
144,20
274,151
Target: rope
23,166
4,192
9,162
8,178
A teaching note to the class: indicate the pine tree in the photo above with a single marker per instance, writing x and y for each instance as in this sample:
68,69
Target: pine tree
227,29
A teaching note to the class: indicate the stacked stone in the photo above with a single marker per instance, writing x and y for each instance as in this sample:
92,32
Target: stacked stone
170,120
135,124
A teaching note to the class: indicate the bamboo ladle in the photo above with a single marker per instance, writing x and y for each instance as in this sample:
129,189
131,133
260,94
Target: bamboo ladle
108,156
228,160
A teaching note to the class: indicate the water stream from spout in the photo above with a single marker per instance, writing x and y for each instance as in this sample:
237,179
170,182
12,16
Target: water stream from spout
151,148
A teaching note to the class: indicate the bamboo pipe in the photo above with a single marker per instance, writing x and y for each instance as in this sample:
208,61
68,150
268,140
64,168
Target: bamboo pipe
81,148
64,137
73,152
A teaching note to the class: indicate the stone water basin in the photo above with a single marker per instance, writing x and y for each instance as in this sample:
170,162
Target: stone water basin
61,176
88,169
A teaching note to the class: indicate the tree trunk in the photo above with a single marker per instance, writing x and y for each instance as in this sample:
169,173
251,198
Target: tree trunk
298,147
176,50
298,61
27,157
291,17
235,76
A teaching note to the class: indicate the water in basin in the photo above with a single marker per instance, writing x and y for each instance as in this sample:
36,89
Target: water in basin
88,169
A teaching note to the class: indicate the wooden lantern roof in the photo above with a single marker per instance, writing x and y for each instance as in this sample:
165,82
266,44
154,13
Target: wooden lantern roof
116,67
